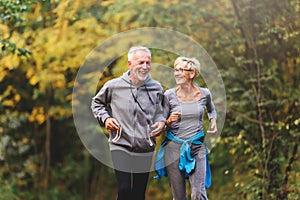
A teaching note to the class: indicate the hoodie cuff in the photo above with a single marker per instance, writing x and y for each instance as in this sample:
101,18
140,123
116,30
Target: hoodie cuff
104,118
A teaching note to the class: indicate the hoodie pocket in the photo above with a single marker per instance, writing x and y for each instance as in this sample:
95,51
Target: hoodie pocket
145,143
142,145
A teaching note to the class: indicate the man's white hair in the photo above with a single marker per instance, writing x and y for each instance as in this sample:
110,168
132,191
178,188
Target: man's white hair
133,50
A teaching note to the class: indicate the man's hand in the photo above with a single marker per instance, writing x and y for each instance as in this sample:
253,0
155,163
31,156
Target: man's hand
158,129
111,124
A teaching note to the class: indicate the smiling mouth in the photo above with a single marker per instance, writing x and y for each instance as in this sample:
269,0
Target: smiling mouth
143,72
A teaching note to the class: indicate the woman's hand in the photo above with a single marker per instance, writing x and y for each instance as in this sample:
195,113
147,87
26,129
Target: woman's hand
174,117
213,127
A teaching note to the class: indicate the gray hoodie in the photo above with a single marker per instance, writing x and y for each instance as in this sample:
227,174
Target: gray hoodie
135,107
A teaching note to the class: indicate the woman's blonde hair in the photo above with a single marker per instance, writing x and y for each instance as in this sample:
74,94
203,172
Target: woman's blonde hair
191,63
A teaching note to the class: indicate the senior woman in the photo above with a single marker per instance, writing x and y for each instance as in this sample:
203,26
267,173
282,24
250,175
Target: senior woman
184,150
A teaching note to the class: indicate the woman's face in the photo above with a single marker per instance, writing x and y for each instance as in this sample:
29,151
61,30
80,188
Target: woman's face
140,66
183,74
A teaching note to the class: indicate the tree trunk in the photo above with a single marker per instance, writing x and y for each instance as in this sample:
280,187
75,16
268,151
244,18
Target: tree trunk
284,188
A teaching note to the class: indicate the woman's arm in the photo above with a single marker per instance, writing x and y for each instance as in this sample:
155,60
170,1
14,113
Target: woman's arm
212,114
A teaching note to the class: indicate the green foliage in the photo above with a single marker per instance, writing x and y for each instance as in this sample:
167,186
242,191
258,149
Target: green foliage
13,14
258,92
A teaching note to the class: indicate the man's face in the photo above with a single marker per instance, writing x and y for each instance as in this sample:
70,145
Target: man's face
140,66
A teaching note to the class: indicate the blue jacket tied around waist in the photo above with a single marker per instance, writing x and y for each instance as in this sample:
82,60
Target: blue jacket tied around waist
186,162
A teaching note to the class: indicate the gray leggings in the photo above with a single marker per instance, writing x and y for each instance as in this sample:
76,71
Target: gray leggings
177,178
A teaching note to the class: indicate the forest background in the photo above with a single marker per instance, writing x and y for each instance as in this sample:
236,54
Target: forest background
255,45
